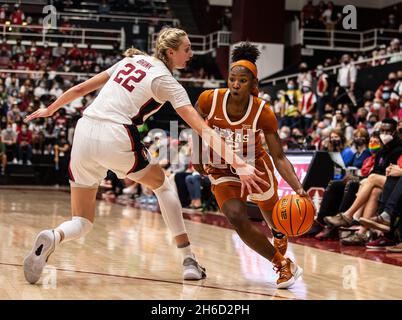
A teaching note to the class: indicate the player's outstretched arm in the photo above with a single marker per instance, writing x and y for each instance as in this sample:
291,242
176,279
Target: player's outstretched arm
197,147
248,174
282,163
70,95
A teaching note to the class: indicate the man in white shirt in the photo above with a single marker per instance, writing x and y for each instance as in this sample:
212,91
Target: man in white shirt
346,80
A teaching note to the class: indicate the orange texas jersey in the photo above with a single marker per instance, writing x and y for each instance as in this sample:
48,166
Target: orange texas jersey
241,134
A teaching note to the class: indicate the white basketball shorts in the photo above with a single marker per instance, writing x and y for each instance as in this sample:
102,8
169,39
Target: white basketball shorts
99,146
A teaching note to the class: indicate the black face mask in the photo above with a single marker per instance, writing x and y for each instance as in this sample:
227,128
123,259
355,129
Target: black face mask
336,143
373,123
361,119
359,142
400,130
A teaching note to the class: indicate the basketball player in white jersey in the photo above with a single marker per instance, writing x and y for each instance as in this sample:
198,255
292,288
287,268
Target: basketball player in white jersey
106,137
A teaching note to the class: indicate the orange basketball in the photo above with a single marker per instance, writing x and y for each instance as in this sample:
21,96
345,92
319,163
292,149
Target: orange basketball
293,215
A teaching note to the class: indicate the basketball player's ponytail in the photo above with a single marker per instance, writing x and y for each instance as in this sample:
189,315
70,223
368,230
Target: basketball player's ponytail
245,51
130,52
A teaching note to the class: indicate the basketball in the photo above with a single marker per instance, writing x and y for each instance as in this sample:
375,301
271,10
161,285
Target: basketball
293,215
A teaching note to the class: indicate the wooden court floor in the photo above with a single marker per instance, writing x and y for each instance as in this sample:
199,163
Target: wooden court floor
130,255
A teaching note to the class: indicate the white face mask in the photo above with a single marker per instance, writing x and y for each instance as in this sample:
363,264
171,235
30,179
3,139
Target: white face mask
386,138
376,106
283,135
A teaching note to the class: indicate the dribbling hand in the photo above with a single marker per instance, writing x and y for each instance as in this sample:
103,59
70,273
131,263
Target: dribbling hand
301,192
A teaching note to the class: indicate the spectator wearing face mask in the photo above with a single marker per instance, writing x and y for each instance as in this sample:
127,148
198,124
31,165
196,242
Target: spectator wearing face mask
286,138
392,149
321,90
9,138
24,141
360,142
339,122
304,75
378,108
307,106
385,90
372,122
337,143
290,101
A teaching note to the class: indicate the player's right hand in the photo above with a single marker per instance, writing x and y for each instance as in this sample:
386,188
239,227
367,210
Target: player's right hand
40,113
249,178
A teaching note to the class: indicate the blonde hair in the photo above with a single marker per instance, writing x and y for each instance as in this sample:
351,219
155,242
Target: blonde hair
133,52
168,38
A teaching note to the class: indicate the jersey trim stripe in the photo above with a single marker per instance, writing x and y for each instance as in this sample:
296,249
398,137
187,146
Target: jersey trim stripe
213,104
140,159
246,115
257,116
149,107
223,179
70,173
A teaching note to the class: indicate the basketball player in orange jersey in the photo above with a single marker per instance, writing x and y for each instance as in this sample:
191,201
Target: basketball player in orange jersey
239,116
106,137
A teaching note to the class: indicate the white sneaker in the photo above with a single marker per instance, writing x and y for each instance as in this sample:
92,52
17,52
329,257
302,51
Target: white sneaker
36,260
15,161
192,270
19,161
29,163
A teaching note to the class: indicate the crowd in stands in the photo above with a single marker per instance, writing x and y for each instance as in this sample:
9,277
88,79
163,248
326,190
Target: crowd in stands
325,15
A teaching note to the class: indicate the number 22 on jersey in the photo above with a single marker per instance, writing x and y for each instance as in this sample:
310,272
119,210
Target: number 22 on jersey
129,74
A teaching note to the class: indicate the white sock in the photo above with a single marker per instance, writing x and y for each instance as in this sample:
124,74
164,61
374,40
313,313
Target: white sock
76,228
385,216
171,209
186,252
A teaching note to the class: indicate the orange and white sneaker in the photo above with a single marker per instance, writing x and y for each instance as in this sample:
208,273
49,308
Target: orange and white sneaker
288,274
281,244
